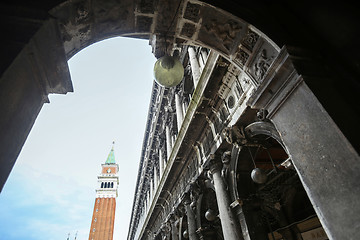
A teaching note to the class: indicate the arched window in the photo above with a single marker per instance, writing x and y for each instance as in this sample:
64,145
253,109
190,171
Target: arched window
112,185
106,185
102,185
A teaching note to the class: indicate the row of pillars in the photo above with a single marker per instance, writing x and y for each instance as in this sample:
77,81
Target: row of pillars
197,63
230,228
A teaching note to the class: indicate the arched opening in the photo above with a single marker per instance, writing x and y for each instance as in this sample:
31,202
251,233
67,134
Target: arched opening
274,203
102,87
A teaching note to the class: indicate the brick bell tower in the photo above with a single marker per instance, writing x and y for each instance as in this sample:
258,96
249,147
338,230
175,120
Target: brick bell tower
102,223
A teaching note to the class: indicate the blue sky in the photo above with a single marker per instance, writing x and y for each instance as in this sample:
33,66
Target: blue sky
51,189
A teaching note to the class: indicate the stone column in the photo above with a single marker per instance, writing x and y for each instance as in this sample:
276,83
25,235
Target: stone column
198,155
190,218
165,231
228,224
185,106
194,63
174,229
327,164
161,162
151,188
168,141
204,55
156,179
179,111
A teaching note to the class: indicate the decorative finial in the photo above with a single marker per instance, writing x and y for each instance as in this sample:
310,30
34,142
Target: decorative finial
113,145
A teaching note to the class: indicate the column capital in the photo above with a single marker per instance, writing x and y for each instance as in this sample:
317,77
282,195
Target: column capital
186,198
235,135
165,227
172,217
215,164
195,189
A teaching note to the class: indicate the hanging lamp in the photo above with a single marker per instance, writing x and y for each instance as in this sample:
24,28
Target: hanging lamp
168,71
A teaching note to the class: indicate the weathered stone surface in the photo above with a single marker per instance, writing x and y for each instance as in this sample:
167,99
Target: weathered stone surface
192,12
188,30
219,31
261,60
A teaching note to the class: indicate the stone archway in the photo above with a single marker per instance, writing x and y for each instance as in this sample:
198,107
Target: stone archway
265,204
279,88
41,67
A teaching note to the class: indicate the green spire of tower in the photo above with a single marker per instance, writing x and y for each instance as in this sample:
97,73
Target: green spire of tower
111,157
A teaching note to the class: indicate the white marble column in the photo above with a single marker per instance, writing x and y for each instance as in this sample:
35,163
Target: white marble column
168,141
202,58
156,179
179,111
230,229
204,55
198,155
194,63
174,229
161,162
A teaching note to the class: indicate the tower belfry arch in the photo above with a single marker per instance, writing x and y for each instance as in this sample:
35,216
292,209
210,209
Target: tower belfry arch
275,54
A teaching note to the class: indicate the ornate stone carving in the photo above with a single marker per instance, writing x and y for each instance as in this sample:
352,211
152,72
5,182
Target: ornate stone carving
188,30
225,32
225,159
242,57
111,15
262,65
192,12
250,40
215,164
167,17
82,13
235,135
166,230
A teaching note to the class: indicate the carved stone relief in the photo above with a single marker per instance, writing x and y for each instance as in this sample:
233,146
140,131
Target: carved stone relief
241,57
167,16
261,62
82,12
86,21
225,32
250,40
219,31
188,30
192,12
74,21
112,16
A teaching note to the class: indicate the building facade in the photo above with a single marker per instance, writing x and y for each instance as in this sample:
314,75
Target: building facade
220,157
102,223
